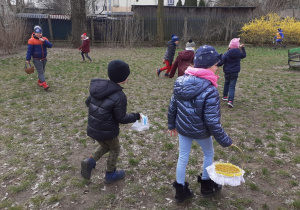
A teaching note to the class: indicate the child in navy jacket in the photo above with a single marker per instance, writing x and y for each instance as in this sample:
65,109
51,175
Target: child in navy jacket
169,56
232,66
194,114
37,50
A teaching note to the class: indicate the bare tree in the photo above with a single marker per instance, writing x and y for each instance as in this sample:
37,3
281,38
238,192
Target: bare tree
90,6
12,33
19,5
60,7
160,23
78,18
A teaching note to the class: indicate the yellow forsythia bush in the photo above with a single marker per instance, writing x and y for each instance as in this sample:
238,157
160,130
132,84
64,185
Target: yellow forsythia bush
263,30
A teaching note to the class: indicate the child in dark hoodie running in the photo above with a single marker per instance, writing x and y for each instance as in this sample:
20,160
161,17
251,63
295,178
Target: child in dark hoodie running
184,59
232,66
107,109
85,47
169,56
194,114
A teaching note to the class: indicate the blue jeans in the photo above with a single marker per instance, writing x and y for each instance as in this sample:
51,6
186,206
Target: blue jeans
229,86
185,144
86,54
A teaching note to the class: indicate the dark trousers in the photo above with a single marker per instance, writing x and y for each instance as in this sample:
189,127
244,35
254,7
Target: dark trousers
229,86
113,147
40,68
86,54
279,42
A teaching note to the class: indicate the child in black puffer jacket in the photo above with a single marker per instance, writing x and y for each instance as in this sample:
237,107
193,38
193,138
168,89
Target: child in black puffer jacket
107,109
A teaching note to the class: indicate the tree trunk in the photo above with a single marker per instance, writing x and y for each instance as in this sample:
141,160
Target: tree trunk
160,23
78,19
93,7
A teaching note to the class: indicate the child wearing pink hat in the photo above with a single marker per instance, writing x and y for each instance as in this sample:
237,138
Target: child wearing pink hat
232,66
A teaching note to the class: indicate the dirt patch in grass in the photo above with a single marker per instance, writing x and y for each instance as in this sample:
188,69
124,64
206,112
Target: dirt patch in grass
43,135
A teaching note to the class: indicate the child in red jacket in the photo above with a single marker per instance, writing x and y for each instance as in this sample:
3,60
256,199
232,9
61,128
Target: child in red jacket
85,47
184,59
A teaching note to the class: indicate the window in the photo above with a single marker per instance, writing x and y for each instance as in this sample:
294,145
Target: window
170,2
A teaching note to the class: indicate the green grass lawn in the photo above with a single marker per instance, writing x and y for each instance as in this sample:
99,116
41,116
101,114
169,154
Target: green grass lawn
43,135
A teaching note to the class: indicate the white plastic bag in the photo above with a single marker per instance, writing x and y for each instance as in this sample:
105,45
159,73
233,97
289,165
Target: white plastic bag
141,125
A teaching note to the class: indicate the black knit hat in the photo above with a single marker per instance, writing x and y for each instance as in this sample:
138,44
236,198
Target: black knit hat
118,71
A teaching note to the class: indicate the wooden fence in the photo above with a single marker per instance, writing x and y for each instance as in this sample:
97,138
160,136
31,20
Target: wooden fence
203,25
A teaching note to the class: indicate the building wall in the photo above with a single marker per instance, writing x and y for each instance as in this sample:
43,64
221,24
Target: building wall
125,5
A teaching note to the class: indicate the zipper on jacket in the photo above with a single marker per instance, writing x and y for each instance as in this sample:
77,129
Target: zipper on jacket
42,52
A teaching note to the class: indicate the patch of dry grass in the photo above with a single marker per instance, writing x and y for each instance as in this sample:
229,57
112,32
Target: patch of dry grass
43,135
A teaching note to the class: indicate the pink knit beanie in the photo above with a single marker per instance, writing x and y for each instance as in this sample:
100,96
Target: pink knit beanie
234,43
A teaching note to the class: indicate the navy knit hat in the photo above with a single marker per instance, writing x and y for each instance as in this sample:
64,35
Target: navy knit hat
118,71
37,29
206,56
175,38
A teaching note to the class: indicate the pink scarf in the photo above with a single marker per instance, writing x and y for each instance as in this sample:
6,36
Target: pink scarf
203,73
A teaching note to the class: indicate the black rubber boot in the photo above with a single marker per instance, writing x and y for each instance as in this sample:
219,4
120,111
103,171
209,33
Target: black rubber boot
209,187
87,166
182,192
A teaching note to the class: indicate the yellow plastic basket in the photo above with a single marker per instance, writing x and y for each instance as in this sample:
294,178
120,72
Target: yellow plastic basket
228,169
227,173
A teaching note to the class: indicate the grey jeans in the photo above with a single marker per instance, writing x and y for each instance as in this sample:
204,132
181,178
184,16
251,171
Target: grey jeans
113,147
40,67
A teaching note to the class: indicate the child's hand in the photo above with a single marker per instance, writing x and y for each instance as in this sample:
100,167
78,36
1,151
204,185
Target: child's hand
164,61
242,45
172,132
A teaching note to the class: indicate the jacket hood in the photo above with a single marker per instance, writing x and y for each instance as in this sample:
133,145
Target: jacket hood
186,54
188,87
171,43
102,88
234,53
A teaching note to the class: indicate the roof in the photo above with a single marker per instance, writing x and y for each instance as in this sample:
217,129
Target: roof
43,16
119,13
32,15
